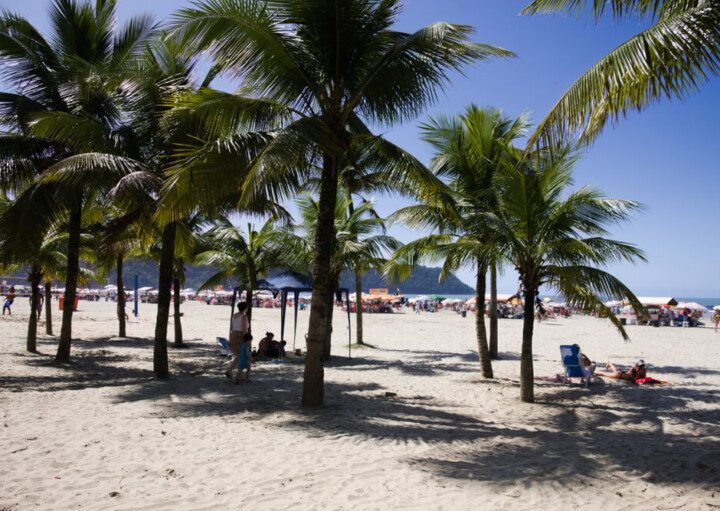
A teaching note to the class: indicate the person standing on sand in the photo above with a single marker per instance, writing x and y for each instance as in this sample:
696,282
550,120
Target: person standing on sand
239,328
9,299
245,358
716,318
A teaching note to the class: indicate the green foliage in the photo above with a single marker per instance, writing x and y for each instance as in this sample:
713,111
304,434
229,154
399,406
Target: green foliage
671,59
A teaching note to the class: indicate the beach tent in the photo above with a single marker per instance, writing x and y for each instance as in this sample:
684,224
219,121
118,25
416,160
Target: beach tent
657,301
284,283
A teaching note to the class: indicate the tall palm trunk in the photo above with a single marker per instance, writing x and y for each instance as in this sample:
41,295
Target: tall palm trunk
327,339
527,374
358,294
313,377
35,277
167,260
493,312
359,311
48,308
483,350
176,313
248,299
120,297
71,278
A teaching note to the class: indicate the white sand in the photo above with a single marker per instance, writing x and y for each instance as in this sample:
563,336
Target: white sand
72,436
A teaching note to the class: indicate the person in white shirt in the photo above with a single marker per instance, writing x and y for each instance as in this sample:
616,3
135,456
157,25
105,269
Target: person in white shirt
239,326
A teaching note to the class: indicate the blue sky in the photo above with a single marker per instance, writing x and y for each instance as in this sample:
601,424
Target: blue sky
666,157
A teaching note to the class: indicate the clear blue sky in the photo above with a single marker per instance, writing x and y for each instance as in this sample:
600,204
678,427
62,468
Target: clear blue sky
666,158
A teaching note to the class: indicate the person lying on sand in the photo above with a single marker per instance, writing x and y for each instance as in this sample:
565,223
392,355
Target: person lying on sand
637,372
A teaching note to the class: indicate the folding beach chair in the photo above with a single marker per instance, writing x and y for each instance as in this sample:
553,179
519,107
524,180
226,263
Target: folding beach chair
224,344
572,363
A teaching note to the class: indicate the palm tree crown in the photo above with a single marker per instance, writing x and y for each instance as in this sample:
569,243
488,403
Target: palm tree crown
671,59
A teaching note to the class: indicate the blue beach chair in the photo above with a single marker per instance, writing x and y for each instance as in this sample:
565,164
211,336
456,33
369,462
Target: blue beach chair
224,344
571,360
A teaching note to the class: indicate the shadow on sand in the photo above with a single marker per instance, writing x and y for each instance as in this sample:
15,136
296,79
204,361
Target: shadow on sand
635,434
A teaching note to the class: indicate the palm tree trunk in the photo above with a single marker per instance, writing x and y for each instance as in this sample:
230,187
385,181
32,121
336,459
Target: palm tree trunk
358,293
120,297
359,311
493,312
48,308
35,278
527,374
71,278
483,350
167,260
313,377
248,299
327,340
176,313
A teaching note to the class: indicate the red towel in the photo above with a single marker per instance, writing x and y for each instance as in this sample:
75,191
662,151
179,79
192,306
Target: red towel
650,381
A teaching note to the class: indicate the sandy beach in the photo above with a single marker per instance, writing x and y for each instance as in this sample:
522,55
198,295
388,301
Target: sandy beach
102,434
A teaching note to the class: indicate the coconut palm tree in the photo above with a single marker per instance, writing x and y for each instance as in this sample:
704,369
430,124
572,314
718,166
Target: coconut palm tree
361,244
469,150
557,238
76,73
672,58
322,69
243,256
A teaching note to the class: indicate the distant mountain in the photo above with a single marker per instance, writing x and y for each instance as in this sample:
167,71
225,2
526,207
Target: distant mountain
423,280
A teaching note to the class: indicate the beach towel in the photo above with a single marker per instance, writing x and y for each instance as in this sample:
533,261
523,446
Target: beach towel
650,381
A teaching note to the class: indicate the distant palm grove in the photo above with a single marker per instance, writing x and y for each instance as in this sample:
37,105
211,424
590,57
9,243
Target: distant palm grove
116,146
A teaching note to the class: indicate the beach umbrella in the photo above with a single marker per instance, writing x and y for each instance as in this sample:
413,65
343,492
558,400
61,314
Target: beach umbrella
716,308
692,306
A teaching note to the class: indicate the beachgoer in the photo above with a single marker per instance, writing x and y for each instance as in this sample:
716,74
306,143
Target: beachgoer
636,372
263,349
239,327
40,301
716,319
276,349
122,296
9,299
245,358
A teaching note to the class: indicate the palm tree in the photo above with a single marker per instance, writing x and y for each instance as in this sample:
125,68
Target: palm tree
128,160
671,59
75,76
469,151
243,256
558,239
321,68
361,244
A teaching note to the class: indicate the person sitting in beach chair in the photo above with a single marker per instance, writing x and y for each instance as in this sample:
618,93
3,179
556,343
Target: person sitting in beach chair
576,364
637,372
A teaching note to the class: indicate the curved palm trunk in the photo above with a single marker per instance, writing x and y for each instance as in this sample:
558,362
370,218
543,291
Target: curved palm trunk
527,374
71,278
35,278
323,285
359,310
493,312
120,297
48,308
176,313
167,259
483,350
